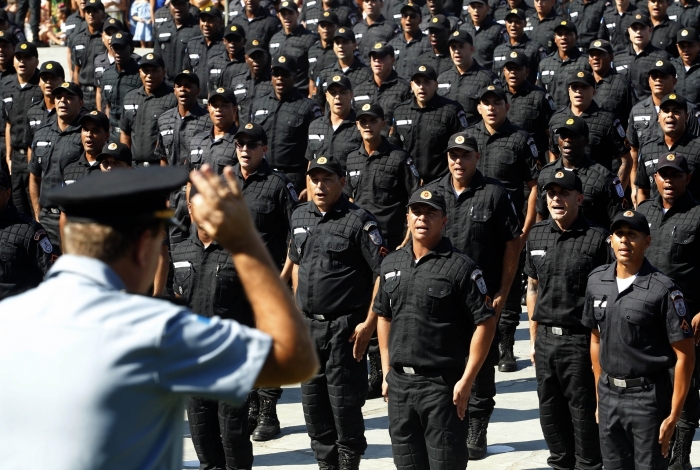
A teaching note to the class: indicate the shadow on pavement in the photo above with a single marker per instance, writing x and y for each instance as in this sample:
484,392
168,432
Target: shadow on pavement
505,415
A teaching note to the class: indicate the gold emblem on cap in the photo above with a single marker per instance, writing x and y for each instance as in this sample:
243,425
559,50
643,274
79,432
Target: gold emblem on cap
336,78
672,96
366,106
119,35
378,45
149,56
234,28
220,90
459,139
434,20
322,160
23,46
580,74
341,30
559,174
426,195
326,13
112,146
111,21
563,23
249,125
490,87
255,42
2,33
94,113
569,122
185,71
456,33
659,63
49,66
597,43
206,9
628,214
285,4
282,59
514,54
514,10
422,68
684,32
671,157
639,17
65,85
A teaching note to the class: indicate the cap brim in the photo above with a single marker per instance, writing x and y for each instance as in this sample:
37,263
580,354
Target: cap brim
466,147
55,91
634,226
578,80
671,165
423,74
367,113
427,202
561,185
564,128
186,75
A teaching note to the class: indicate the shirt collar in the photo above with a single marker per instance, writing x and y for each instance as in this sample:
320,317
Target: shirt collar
89,268
683,203
579,225
262,169
337,207
443,248
642,279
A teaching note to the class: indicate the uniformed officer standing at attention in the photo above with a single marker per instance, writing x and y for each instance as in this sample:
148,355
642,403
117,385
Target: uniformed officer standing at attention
664,32
7,50
688,64
429,286
587,16
153,354
603,193
640,328
114,156
256,20
543,23
466,77
321,54
315,11
373,28
486,32
54,146
437,54
616,19
86,45
118,80
215,146
482,223
51,75
556,69
94,135
200,49
172,36
685,13
336,132
23,244
255,80
285,114
410,42
19,92
336,248
560,253
423,125
110,27
674,223
222,68
518,41
142,108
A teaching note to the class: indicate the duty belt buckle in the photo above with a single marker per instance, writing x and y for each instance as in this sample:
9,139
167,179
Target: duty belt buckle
55,211
319,317
409,370
620,383
557,331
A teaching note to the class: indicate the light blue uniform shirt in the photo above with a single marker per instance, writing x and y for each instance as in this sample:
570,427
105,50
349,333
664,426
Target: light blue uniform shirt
95,378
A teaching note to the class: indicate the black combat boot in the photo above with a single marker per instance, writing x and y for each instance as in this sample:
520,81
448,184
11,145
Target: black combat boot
680,460
253,410
268,424
323,465
375,376
476,442
349,461
506,361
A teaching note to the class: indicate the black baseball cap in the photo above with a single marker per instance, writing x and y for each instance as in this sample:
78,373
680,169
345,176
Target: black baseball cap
68,87
121,39
601,45
97,4
26,48
424,70
52,68
641,19
3,15
674,98
211,11
461,37
633,218
370,109
516,12
439,22
462,140
225,93
339,80
152,59
582,76
574,124
97,117
382,49
566,24
431,198
664,66
477,1
496,90
673,160
256,132
517,58
234,30
687,35
329,17
109,23
255,45
413,7
285,62
120,197
117,150
327,163
564,179
6,37
288,5
345,33
187,74
5,182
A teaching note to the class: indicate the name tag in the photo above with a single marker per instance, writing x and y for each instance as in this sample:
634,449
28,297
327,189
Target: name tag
392,275
642,118
194,56
99,69
600,303
131,106
651,162
164,35
444,85
358,36
362,98
537,252
168,132
79,47
108,87
312,59
499,58
397,16
547,72
238,92
311,3
299,230
610,25
260,112
275,44
573,14
34,123
621,67
182,264
672,17
316,137
161,20
7,100
311,21
354,173
70,26
404,122
196,152
215,71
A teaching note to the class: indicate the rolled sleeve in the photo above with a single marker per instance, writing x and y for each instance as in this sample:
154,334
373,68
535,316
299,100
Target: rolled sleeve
381,304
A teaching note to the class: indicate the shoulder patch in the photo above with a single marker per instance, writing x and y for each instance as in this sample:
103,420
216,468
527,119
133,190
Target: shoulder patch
412,167
45,244
619,128
39,234
292,192
618,187
374,235
533,147
679,303
463,119
478,277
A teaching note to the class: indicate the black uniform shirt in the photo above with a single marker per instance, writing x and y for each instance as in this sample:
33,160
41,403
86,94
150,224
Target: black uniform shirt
37,116
175,133
606,137
616,94
163,15
636,66
16,102
3,122
222,69
73,24
531,108
688,84
587,17
197,55
434,306
614,26
286,124
480,221
140,119
25,250
217,153
357,73
101,63
425,132
310,17
560,261
247,89
85,48
542,31
382,183
324,140
664,36
643,124
675,243
637,325
338,254
52,150
388,95
534,52
297,44
554,74
320,58
464,88
262,26
115,85
382,30
688,16
407,53
509,155
688,146
441,62
171,42
77,169
602,191
489,35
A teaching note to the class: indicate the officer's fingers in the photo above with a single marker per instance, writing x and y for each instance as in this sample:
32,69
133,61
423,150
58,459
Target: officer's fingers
202,181
232,181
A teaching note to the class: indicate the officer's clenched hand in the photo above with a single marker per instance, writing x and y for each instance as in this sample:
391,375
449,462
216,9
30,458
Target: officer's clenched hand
460,397
361,335
696,328
499,301
221,210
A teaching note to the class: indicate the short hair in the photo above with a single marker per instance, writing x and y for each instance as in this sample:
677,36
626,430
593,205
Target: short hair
104,242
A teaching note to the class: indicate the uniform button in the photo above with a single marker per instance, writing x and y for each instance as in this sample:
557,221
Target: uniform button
430,289
628,317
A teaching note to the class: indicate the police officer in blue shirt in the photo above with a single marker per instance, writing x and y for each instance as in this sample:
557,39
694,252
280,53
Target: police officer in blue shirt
132,359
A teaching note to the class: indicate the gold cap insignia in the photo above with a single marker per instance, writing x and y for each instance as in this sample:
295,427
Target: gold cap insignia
256,42
149,56
422,68
671,157
249,125
426,195
282,59
514,54
336,78
94,113
459,139
639,17
597,43
514,10
672,96
185,71
434,20
322,160
326,13
65,85
490,87
366,106
341,30
23,46
659,63
119,35
111,21
220,90
580,74
112,146
684,32
456,33
2,33
378,45
563,23
628,214
206,9
559,174
285,4
49,66
234,28
569,122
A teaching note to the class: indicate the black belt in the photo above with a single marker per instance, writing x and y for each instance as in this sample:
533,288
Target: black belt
567,330
23,151
423,371
627,383
148,163
87,87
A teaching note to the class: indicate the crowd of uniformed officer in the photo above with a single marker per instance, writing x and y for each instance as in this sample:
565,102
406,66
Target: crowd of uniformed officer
410,167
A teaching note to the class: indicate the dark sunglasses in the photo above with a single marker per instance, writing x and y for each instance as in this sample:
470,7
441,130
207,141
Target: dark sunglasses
251,145
410,16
